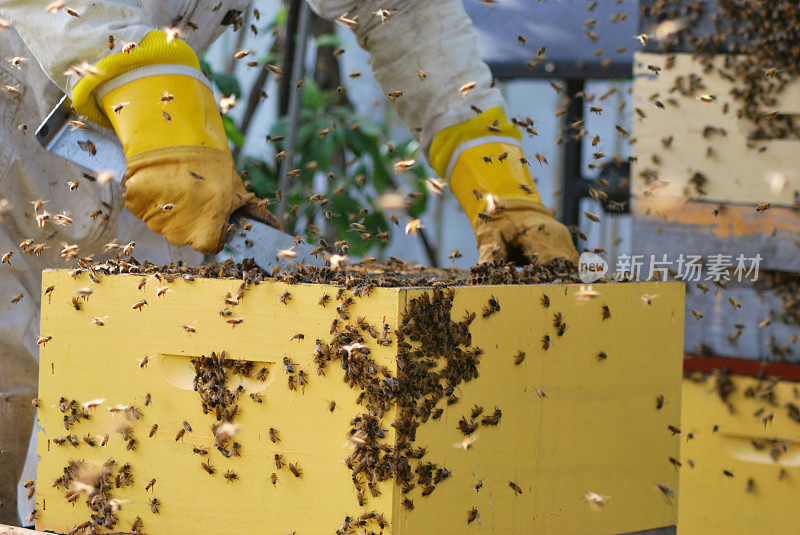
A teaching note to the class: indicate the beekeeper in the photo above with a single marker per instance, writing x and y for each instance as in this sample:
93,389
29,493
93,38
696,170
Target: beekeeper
123,65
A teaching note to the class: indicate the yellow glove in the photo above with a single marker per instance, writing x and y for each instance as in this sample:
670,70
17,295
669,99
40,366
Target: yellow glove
491,180
181,179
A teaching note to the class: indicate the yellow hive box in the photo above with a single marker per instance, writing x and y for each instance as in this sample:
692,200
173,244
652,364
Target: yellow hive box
578,422
743,477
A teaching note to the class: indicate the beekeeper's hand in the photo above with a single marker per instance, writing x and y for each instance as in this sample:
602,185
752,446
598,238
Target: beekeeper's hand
181,179
489,176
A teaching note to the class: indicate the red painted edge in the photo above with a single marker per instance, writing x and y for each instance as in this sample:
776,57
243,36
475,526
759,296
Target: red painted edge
752,368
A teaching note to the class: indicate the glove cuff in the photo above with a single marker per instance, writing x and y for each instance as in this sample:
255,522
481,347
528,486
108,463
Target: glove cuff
495,169
155,48
490,126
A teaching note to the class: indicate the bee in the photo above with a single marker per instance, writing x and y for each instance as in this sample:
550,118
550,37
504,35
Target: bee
100,322
492,307
323,301
208,468
143,361
153,430
136,525
295,470
147,399
478,485
422,74
76,304
394,95
104,440
727,473
199,451
60,441
189,329
273,435
516,488
242,53
472,515
285,296
273,478
675,430
150,484
42,340
262,374
7,257
255,397
154,504
180,434
734,303
546,342
545,301
675,462
519,358
231,476
279,461
139,305
408,504
16,299
119,106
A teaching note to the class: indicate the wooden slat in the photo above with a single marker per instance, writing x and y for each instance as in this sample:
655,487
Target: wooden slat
735,173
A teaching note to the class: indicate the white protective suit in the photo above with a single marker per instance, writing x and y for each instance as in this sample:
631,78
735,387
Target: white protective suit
429,35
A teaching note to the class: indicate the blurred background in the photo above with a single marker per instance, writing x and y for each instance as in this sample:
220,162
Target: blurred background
555,61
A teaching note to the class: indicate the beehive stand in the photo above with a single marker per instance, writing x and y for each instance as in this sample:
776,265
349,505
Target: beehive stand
579,417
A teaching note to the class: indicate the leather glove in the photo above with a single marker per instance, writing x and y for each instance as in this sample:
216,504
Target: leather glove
489,176
181,179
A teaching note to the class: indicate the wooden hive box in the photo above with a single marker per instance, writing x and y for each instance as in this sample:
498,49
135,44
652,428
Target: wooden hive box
691,137
741,469
588,414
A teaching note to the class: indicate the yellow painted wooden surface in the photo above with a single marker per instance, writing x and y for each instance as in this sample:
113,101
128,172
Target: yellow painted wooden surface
735,173
712,502
597,429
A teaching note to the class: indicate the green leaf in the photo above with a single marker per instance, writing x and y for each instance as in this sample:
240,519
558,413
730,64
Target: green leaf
328,39
227,84
232,131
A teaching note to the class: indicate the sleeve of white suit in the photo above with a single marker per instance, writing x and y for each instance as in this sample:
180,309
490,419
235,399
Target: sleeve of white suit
60,40
434,37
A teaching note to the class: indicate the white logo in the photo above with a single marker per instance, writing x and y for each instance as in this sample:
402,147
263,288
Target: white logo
591,267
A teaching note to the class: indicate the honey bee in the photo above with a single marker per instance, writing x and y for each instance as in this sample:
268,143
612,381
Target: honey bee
231,476
675,462
139,305
279,461
153,430
285,297
295,470
150,484
408,504
472,515
208,468
273,478
546,342
273,435
659,402
154,504
675,430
